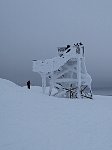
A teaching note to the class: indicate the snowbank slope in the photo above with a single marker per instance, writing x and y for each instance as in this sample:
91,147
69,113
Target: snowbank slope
32,121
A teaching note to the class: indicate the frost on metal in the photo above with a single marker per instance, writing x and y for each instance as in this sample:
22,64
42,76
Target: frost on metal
66,73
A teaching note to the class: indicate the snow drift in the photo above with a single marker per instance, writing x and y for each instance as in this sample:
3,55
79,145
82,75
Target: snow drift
30,120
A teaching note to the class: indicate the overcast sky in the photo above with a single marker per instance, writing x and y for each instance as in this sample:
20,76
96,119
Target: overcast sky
33,29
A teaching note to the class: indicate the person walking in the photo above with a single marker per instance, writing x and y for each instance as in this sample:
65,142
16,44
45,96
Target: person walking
28,84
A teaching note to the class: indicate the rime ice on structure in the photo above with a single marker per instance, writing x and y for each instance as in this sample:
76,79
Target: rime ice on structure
66,73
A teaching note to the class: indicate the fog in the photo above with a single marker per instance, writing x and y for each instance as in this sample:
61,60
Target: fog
33,29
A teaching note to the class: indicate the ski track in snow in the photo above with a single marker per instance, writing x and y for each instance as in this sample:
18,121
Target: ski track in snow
30,120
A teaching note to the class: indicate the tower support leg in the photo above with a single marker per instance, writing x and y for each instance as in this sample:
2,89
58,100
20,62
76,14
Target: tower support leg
43,83
79,77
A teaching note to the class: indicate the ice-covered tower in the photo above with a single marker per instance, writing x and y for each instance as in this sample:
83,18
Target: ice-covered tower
66,73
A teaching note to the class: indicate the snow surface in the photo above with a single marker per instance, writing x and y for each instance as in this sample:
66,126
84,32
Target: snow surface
30,120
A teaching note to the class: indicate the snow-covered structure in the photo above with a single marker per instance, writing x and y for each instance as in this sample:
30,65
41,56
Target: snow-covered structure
66,73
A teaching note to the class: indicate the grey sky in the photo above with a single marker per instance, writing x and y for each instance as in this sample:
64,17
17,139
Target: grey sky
33,29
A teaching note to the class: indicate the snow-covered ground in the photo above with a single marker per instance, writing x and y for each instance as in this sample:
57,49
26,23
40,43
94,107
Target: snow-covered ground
30,120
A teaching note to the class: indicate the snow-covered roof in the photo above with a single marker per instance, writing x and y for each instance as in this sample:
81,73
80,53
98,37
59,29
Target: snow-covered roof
50,65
